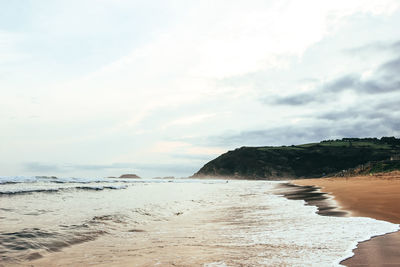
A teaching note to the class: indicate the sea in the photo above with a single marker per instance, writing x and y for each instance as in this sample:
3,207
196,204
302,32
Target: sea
49,221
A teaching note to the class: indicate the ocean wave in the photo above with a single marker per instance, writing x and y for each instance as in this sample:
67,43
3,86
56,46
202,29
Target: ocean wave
55,190
98,188
51,179
67,180
30,243
25,241
28,191
17,179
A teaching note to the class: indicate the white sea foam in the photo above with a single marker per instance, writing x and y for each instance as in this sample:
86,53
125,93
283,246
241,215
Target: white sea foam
17,179
46,187
79,180
313,239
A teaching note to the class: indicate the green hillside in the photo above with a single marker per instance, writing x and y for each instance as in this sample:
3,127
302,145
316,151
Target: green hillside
296,161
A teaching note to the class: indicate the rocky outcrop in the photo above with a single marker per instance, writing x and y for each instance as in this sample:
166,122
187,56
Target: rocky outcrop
132,176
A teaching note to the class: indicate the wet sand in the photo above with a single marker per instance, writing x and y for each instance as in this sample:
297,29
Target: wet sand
376,196
313,197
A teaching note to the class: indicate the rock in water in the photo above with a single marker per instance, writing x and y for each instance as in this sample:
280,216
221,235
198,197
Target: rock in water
129,176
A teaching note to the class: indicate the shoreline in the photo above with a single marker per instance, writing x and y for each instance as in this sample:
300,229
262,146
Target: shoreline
238,224
233,224
313,196
373,196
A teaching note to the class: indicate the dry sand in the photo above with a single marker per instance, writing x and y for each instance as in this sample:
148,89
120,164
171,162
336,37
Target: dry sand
376,196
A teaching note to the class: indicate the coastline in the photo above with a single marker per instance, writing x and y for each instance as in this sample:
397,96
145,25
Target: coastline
376,196
192,224
229,224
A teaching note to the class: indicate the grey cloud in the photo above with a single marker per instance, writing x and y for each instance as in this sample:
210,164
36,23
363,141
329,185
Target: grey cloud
307,134
275,136
385,80
370,120
362,129
373,87
343,83
296,100
357,114
396,46
338,115
390,105
370,117
374,47
391,67
356,84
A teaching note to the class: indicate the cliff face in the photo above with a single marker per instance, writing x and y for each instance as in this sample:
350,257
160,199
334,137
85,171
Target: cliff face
308,160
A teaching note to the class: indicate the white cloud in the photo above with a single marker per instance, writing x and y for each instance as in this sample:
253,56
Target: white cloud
8,43
177,69
184,148
189,120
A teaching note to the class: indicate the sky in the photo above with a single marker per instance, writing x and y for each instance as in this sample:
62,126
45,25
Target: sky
159,88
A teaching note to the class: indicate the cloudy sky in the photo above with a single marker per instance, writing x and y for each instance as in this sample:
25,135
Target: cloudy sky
157,88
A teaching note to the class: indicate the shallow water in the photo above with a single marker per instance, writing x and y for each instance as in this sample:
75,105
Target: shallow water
178,222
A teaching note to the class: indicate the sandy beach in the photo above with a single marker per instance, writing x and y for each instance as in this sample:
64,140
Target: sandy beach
375,196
